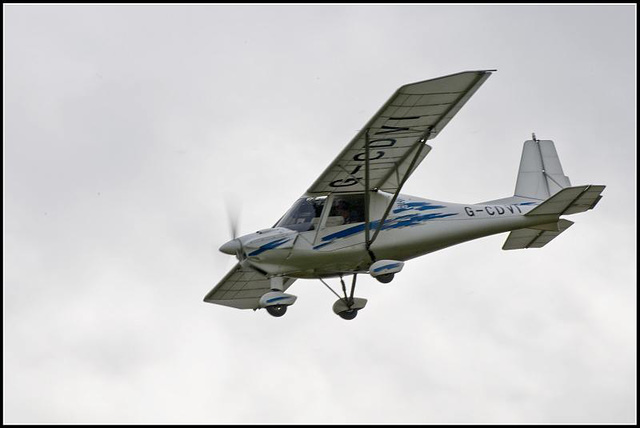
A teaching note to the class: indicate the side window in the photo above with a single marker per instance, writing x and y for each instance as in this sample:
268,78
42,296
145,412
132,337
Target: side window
346,209
304,215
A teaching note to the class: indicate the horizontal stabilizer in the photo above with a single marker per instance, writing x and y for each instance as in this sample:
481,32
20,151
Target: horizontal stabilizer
535,238
569,200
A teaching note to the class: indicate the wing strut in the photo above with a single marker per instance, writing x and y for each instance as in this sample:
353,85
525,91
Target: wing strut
367,198
421,144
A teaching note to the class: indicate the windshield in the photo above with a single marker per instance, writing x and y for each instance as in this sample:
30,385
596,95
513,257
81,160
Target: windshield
304,215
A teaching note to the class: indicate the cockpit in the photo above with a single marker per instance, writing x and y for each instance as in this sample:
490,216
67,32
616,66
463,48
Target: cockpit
306,213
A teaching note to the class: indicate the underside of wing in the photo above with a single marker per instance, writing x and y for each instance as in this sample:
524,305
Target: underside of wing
534,238
242,288
396,135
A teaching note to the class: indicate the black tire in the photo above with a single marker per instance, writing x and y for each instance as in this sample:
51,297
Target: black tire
386,278
277,311
348,315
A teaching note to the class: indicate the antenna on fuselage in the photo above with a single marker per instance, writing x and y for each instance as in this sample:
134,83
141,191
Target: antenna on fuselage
533,135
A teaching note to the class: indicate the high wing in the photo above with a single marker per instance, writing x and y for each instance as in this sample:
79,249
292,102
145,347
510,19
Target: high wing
396,135
242,288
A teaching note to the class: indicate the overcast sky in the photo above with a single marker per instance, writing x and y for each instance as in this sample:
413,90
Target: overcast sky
127,127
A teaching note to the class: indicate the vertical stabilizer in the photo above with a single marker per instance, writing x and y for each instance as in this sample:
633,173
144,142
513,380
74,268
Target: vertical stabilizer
540,175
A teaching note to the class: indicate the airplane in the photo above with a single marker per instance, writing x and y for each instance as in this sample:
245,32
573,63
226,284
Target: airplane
353,219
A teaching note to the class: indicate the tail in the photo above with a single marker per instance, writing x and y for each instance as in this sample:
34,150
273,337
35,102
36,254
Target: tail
541,178
540,175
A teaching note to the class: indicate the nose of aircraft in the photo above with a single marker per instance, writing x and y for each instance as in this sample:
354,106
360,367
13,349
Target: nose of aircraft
230,247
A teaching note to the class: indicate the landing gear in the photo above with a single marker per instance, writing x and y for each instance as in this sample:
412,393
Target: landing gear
384,270
276,302
386,278
277,311
347,307
348,315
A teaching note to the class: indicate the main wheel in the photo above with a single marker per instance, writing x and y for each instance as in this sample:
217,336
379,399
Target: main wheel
277,311
348,315
386,278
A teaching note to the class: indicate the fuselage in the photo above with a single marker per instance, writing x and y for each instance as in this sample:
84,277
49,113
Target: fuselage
413,227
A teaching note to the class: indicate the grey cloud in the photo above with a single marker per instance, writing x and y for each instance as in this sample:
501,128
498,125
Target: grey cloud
126,127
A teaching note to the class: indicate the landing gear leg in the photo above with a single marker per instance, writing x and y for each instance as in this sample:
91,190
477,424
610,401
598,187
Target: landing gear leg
350,313
348,300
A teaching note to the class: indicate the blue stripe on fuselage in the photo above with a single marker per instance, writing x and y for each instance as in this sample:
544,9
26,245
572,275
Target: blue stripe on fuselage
406,220
418,206
268,246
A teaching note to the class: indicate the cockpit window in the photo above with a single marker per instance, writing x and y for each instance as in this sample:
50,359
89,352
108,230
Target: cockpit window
346,209
304,215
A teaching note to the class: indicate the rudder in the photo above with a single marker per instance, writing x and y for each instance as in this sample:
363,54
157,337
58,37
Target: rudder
540,175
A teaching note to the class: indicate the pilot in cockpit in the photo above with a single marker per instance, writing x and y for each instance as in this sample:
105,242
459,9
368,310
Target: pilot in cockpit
344,210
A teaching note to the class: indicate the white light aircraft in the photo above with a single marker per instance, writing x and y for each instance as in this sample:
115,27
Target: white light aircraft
353,219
